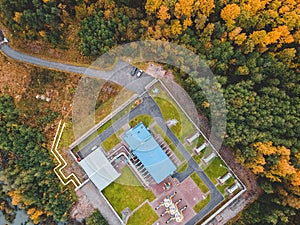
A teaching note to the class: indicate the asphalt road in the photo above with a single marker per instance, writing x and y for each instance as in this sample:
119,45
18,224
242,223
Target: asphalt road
120,74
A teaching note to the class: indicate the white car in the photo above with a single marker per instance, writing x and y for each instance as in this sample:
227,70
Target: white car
4,41
139,73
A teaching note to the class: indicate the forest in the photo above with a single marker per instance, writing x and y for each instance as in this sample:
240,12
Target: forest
27,170
252,47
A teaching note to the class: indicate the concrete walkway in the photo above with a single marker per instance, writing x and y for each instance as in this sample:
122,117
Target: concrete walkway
99,202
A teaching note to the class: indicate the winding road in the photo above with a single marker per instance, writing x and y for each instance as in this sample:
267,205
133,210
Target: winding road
115,75
148,106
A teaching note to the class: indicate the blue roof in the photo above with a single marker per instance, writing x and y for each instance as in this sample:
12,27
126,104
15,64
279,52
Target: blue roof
144,146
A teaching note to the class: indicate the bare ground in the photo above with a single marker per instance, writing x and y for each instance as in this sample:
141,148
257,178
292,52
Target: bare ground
83,207
14,77
73,166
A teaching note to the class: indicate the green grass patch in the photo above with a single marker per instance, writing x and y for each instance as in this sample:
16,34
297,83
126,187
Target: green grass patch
182,167
214,170
170,110
144,215
121,195
104,110
198,158
96,218
205,152
228,183
145,119
195,144
110,142
104,127
67,137
111,102
199,182
158,130
202,204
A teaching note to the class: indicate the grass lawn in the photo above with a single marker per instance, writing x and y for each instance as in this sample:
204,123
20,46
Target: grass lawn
202,204
145,119
199,182
159,131
182,167
111,102
205,152
198,158
228,183
67,137
121,195
214,170
110,142
171,110
104,110
195,144
144,215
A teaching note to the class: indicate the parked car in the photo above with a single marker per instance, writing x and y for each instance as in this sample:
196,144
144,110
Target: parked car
4,41
133,71
139,73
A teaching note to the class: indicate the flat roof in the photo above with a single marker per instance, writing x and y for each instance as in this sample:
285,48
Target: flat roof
99,169
148,151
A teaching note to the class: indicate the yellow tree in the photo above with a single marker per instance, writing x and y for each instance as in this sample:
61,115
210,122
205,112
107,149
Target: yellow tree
280,35
240,38
17,17
252,6
230,13
275,170
184,8
232,35
16,197
258,36
296,178
204,6
287,55
163,13
152,5
34,214
187,23
176,27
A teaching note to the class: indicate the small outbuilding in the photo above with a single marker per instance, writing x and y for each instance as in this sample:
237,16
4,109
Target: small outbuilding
201,147
99,169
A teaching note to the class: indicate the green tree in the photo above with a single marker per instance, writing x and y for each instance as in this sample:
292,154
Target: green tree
96,218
